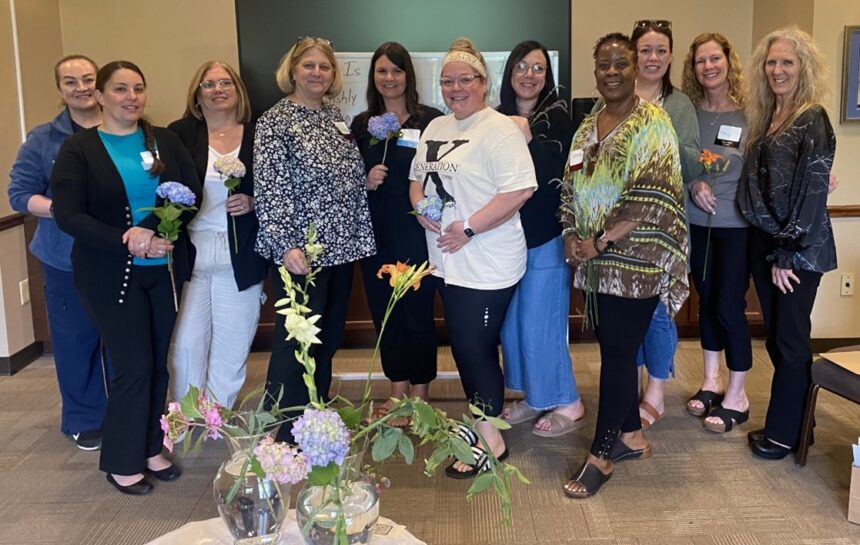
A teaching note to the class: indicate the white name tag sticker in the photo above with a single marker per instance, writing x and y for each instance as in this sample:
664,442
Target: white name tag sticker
574,160
409,138
146,160
342,127
729,133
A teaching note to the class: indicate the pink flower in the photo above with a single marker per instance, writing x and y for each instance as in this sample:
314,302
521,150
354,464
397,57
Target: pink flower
165,427
280,461
212,417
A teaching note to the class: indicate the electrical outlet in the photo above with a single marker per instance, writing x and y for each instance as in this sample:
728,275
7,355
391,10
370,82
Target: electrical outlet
24,291
846,284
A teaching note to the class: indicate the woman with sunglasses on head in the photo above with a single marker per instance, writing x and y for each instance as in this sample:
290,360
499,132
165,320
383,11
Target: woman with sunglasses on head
408,350
783,194
654,45
623,216
221,303
534,336
718,232
75,340
103,181
476,160
308,171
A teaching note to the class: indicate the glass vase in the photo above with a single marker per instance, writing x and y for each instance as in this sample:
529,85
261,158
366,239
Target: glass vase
317,512
252,508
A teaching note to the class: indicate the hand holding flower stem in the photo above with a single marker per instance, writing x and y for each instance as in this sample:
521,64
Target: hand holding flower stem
713,164
383,127
232,170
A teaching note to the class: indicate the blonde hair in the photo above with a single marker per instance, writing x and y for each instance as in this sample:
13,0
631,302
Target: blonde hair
284,73
192,104
812,84
464,50
691,86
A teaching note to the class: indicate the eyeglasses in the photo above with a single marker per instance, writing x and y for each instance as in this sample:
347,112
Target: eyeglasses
315,39
222,84
661,24
464,81
537,68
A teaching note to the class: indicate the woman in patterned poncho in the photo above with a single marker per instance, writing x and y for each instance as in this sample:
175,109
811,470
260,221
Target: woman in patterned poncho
623,216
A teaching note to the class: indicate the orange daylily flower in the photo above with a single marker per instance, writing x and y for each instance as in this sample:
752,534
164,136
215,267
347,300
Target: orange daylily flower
394,270
413,275
708,158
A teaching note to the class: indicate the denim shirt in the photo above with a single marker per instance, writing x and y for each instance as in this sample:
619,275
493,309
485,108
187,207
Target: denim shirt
30,175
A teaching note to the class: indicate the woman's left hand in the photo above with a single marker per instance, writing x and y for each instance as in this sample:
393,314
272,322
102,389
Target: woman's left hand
782,278
240,204
158,247
138,239
453,238
586,250
832,183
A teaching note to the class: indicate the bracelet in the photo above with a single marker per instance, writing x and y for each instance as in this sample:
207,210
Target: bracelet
596,249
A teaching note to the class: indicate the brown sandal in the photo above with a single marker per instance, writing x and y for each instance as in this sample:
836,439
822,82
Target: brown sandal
650,416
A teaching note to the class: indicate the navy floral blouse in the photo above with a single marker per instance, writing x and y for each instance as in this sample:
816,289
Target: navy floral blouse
308,169
783,192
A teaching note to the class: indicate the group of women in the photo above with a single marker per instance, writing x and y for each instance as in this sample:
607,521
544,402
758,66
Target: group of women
503,259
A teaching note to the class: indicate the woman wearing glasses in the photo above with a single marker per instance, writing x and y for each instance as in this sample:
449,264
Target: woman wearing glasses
534,335
622,211
308,171
221,303
409,345
476,160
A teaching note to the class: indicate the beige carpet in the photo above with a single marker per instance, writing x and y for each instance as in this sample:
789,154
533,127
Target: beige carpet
698,488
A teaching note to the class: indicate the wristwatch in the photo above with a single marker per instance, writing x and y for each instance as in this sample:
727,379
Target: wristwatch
601,236
468,230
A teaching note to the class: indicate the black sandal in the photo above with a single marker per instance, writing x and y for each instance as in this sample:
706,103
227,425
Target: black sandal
465,433
482,464
729,417
590,477
708,398
620,452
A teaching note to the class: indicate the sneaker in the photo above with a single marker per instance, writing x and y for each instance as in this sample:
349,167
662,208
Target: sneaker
88,440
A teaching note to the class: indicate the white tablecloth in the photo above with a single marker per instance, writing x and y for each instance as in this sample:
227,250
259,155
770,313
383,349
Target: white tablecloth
214,532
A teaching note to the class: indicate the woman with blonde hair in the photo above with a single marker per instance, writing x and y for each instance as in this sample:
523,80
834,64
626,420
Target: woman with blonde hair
221,304
783,194
308,170
718,232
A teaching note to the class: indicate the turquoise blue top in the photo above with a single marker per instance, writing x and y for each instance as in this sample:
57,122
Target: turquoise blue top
140,185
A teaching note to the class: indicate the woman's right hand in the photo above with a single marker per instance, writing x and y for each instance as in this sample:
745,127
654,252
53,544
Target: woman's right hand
571,250
375,177
295,261
703,196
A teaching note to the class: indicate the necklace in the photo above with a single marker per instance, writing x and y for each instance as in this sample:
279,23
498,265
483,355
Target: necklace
221,132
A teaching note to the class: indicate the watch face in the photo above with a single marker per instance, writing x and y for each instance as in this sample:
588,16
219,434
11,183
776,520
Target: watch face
469,232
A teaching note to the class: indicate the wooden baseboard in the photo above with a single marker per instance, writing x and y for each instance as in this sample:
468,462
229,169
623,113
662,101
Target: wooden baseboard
20,359
825,345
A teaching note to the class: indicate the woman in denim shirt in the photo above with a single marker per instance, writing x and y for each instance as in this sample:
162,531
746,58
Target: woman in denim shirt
76,343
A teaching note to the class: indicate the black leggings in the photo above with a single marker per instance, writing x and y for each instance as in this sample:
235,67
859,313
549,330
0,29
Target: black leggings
621,327
474,319
722,292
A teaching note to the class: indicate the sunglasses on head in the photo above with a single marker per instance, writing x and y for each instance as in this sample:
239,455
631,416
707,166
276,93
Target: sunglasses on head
661,24
315,39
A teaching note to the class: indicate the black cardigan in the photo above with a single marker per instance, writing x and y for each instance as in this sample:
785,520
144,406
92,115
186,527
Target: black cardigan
249,268
91,205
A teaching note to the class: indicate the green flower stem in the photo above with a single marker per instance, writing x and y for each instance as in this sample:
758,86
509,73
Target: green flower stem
172,279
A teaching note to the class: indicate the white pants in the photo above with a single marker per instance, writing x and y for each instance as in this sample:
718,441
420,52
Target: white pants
215,326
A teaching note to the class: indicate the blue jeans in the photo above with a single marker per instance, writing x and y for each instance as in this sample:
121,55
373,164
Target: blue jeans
657,351
534,335
77,354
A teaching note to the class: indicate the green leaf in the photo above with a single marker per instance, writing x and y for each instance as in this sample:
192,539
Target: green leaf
321,476
404,446
189,403
475,410
351,416
461,450
481,483
425,414
498,423
384,443
257,469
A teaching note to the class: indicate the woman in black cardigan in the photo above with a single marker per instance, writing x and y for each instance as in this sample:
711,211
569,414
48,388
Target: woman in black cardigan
102,181
221,303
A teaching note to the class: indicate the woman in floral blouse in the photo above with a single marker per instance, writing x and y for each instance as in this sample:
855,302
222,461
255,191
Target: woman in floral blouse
783,194
308,170
623,216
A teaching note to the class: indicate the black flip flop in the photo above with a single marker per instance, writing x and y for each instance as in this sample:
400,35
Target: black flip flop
708,398
620,451
482,464
728,416
590,477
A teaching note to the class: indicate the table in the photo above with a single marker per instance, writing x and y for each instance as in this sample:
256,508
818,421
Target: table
214,532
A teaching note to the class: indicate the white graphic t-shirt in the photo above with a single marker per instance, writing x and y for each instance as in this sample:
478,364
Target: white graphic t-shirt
466,163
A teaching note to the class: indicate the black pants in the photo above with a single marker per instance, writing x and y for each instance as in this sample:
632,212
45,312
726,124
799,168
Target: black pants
408,347
621,327
474,319
137,335
329,297
788,327
722,284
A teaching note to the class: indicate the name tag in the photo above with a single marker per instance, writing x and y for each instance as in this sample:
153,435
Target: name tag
343,128
574,160
729,136
409,138
146,160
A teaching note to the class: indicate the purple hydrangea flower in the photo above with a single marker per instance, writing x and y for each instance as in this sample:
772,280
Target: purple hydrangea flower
430,207
176,193
322,437
382,126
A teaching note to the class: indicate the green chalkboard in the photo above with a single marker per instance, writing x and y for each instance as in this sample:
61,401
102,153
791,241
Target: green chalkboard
268,28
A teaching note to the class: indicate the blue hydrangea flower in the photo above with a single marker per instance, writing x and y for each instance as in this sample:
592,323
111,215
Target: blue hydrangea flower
382,126
430,207
322,437
176,193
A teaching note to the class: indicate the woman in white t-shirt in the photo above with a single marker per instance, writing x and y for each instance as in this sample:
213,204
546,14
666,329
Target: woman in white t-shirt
477,161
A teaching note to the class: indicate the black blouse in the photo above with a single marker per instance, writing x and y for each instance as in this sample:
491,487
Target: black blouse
783,192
